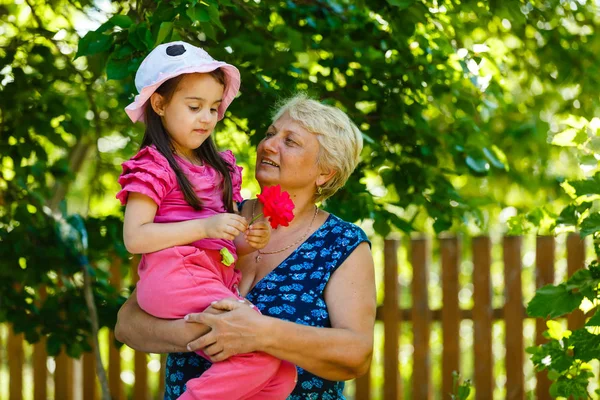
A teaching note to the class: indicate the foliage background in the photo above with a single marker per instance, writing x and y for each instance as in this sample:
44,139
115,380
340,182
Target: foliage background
458,103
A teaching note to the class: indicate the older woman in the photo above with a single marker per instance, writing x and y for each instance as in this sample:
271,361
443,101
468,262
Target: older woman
313,283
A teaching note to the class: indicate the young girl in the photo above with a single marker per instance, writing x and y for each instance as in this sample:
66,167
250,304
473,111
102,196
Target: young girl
180,213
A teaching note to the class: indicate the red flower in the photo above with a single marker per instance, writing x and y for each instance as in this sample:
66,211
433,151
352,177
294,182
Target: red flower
277,206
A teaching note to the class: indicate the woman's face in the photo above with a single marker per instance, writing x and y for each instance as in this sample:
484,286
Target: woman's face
287,156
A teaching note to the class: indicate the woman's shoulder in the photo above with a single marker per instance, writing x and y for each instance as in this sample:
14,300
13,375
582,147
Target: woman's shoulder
337,227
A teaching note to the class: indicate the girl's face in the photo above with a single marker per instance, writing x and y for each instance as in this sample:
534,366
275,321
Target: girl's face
288,156
192,112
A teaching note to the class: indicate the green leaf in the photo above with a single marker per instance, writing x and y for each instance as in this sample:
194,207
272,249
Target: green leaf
553,301
93,43
165,30
134,38
401,4
117,69
145,36
587,186
208,30
213,12
595,320
122,21
590,225
198,13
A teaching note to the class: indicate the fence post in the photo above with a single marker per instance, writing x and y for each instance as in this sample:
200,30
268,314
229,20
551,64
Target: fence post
40,358
513,318
575,262
544,261
114,355
421,319
482,318
450,248
16,363
140,388
391,322
89,389
63,376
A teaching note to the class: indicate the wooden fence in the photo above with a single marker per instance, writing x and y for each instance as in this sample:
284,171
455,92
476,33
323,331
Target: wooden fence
421,317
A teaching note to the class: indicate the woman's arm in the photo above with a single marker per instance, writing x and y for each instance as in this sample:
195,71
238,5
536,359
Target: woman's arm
142,235
341,352
143,332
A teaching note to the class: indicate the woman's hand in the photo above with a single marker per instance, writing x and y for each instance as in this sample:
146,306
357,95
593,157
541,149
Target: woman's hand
258,234
236,331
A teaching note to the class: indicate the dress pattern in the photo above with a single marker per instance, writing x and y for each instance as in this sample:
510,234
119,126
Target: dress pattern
293,291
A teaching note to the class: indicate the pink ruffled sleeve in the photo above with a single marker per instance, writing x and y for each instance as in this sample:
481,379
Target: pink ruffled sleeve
236,175
148,173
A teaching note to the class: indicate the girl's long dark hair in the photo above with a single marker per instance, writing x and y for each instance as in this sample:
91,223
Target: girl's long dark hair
157,135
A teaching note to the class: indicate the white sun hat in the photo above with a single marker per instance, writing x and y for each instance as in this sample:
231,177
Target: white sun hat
172,59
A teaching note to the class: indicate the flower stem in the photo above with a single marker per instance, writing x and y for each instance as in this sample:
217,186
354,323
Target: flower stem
255,218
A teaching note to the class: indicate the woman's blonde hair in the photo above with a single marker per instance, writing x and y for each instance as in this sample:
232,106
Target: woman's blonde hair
340,140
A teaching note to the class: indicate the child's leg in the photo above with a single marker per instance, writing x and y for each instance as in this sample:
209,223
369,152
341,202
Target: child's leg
180,280
281,385
256,376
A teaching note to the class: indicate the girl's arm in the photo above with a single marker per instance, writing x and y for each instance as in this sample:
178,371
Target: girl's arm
142,235
143,332
341,352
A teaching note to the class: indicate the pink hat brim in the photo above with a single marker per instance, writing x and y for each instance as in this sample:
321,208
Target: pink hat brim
136,110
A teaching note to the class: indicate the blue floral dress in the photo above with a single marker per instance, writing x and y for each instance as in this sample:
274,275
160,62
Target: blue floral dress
293,292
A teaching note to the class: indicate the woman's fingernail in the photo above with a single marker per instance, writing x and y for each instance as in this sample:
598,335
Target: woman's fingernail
188,347
241,301
213,302
187,317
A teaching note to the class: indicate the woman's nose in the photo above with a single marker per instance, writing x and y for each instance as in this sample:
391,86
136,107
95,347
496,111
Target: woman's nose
270,144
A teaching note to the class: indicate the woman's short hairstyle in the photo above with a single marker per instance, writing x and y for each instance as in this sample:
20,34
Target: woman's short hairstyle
340,140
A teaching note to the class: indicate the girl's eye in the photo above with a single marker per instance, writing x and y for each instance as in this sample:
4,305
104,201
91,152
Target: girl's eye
269,134
194,108
289,141
213,110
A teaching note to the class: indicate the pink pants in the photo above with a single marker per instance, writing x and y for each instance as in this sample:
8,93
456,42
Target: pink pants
184,279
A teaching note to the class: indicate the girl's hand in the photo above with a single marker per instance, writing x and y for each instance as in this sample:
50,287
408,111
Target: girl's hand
237,331
258,234
223,226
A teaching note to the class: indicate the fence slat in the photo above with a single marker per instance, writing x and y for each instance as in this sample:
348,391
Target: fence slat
63,377
40,357
575,261
392,384
40,371
544,261
450,249
89,388
482,318
16,361
161,381
140,387
363,386
421,318
114,355
513,318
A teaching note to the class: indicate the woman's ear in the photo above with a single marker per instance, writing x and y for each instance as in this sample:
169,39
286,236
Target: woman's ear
158,103
325,176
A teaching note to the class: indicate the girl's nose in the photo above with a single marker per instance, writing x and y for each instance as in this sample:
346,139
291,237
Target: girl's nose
205,115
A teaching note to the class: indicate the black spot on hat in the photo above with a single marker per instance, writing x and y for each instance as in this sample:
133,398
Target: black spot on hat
175,50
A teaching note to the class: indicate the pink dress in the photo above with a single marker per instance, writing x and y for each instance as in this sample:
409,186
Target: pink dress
181,280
